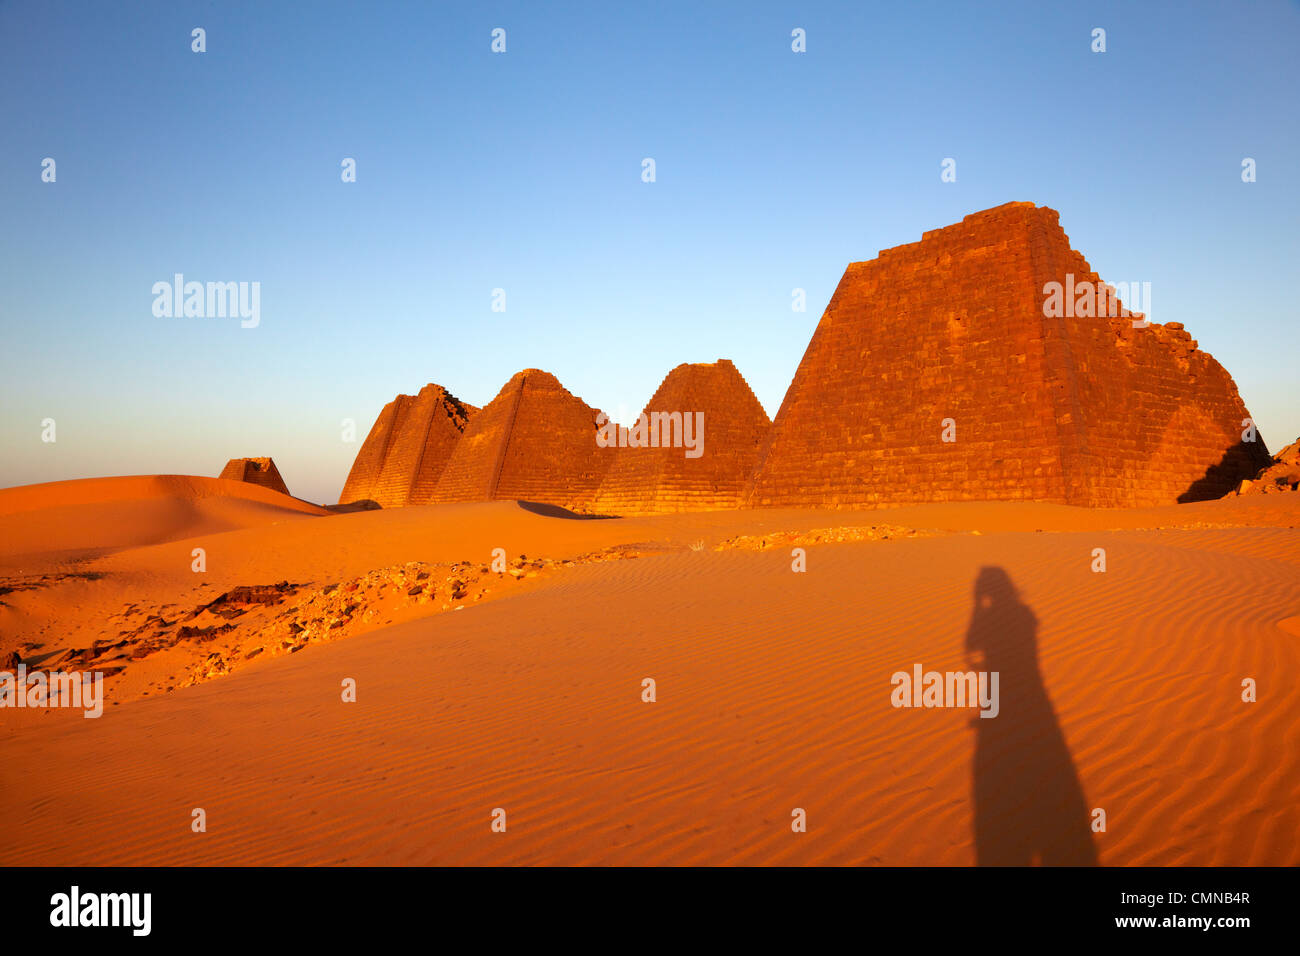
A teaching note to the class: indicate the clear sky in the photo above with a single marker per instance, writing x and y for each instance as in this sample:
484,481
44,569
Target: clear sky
522,171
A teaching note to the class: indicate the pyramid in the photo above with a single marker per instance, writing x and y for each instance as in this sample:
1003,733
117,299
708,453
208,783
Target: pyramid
659,479
1076,409
534,441
255,471
407,447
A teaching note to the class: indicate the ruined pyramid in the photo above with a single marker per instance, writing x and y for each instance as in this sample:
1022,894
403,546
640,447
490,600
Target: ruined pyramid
255,471
535,442
953,338
647,480
409,444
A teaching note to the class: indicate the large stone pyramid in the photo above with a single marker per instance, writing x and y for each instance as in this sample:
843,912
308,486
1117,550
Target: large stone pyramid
409,444
645,480
1077,409
535,442
255,471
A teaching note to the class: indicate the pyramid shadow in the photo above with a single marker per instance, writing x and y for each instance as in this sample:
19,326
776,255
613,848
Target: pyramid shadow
555,511
362,504
1240,461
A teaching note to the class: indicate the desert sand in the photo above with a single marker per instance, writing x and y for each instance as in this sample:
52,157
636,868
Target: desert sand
478,690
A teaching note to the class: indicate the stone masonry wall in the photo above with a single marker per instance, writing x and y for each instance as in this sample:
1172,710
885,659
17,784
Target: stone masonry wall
1070,410
1151,418
535,441
256,471
407,448
651,480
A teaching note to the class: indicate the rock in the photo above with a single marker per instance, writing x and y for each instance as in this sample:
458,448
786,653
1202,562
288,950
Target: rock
9,662
1282,474
214,666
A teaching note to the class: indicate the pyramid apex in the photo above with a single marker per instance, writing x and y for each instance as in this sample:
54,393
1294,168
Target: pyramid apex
255,471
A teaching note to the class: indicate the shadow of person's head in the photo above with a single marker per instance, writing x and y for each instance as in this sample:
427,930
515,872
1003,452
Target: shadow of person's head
1002,626
993,586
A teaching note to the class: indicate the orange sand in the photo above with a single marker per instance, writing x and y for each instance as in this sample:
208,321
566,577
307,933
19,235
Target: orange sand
773,687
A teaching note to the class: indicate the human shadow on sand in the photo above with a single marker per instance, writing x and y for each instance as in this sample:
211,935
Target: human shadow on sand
1029,805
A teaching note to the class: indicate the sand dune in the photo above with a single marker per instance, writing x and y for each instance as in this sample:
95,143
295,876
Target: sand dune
773,693
69,519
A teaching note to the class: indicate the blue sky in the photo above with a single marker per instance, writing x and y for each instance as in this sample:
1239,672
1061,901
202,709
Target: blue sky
522,171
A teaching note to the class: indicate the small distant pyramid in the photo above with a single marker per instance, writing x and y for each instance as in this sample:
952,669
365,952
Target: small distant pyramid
940,372
255,471
535,442
409,444
664,479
